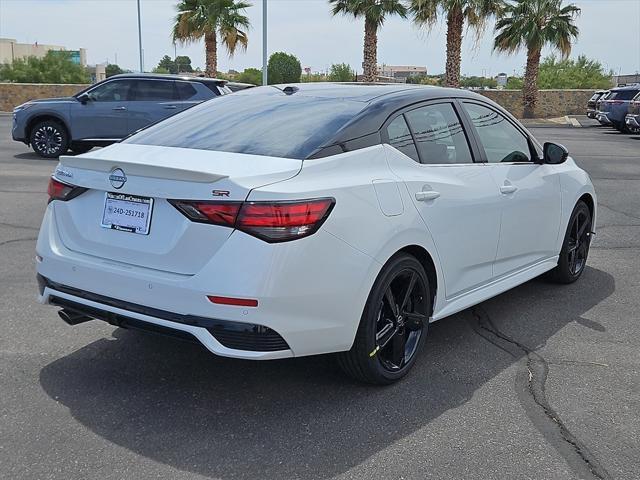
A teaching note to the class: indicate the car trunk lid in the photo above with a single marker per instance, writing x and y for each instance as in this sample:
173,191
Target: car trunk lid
173,242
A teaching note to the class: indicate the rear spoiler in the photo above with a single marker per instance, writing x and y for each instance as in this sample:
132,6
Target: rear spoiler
140,168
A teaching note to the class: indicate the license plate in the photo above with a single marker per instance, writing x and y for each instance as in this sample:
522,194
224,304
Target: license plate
127,213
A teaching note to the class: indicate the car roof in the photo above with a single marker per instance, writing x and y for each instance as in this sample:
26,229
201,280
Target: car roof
166,76
369,92
634,86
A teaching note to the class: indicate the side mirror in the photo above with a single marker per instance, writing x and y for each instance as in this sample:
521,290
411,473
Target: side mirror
554,154
84,98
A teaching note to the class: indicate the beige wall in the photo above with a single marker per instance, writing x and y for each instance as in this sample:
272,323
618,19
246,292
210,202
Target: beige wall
11,50
13,94
551,103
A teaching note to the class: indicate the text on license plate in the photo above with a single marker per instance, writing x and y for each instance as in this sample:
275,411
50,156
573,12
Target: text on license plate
127,213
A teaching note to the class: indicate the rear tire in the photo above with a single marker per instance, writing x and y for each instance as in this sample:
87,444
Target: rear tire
49,139
394,324
575,248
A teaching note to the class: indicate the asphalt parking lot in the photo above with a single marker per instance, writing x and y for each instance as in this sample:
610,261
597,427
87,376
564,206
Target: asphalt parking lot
95,402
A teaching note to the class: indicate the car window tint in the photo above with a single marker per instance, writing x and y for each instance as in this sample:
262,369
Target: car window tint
154,91
439,135
273,124
501,140
185,90
113,91
400,137
213,87
625,94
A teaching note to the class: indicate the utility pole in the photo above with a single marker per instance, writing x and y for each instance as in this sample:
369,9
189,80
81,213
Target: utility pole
140,39
264,42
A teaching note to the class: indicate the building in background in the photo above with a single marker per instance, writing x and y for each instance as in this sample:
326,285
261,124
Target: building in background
10,50
97,72
502,79
626,79
400,72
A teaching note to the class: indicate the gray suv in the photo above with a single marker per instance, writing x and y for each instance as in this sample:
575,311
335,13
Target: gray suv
107,111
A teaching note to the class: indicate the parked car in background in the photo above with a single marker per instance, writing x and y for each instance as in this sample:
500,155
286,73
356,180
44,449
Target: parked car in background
591,104
602,118
107,111
286,221
614,108
237,86
633,117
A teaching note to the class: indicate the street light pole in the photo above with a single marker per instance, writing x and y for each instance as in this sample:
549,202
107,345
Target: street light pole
140,39
264,42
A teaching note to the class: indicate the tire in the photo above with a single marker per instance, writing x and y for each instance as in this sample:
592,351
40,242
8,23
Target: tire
573,258
49,139
80,148
389,339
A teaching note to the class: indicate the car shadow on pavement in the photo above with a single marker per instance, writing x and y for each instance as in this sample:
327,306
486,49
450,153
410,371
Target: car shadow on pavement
175,403
33,156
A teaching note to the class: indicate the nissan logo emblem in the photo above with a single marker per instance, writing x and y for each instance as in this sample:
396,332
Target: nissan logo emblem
117,178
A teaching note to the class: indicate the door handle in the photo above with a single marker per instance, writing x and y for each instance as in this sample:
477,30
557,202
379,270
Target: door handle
120,108
426,196
170,107
507,189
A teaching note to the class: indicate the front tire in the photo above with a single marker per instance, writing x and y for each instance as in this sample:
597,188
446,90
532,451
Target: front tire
394,324
575,248
49,139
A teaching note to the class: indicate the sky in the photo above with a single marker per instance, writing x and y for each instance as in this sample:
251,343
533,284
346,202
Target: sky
609,33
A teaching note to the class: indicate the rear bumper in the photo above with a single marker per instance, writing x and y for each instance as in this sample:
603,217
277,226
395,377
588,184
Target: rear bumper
311,292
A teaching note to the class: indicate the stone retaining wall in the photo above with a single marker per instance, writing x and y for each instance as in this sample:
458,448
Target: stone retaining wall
551,103
13,94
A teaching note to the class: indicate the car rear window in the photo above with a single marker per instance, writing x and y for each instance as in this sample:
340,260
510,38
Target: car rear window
255,121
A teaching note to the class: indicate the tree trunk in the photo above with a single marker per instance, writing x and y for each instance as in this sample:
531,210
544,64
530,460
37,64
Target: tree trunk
455,24
370,62
530,88
211,54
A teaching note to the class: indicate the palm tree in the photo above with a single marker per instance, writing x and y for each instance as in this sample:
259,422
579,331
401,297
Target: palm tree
209,19
532,24
474,12
374,13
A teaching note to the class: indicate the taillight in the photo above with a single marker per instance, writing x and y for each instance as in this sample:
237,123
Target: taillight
269,221
63,191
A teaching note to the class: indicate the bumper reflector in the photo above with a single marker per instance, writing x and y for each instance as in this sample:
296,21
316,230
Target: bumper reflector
238,302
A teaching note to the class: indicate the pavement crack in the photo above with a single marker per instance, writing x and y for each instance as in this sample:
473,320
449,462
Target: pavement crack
13,225
6,242
600,204
545,418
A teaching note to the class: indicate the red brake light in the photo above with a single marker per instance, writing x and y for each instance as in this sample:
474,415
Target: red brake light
63,191
269,221
238,302
216,213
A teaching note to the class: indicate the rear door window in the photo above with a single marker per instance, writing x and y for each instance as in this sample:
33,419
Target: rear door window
155,91
439,135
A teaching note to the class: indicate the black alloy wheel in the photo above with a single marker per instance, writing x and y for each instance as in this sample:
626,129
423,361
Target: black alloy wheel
49,139
575,248
394,324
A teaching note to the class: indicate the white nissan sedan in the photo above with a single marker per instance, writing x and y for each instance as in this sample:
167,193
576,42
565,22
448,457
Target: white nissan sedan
316,218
